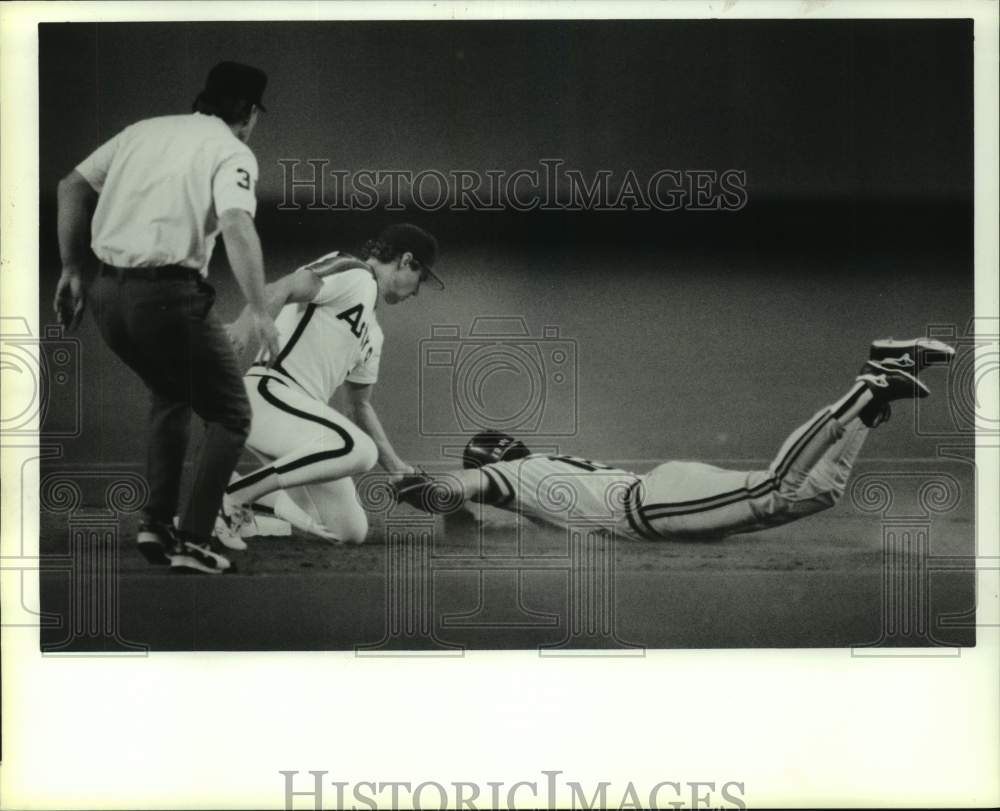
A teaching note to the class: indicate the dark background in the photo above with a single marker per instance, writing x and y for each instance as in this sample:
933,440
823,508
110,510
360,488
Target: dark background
707,334
827,109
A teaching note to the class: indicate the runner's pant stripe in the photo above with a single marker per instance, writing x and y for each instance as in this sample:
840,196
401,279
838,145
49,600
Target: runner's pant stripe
633,518
667,509
503,486
796,450
850,401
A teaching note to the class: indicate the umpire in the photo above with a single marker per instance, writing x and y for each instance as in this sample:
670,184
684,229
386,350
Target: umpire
164,189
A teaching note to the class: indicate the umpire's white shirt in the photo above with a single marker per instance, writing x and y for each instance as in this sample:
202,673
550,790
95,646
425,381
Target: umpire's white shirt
163,183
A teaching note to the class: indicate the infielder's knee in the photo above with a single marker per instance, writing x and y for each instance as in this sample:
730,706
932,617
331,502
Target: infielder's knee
365,452
340,512
355,528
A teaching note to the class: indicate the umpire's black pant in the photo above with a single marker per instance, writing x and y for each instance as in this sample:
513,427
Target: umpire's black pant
160,322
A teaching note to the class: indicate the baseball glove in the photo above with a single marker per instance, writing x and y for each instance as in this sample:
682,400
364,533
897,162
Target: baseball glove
421,491
413,488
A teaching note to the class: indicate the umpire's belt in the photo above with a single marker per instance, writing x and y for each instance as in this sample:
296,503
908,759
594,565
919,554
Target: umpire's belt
151,274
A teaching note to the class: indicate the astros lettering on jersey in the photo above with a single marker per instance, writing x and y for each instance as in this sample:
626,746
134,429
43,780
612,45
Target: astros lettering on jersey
333,338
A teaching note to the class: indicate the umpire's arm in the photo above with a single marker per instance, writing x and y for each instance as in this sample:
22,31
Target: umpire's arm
76,199
301,286
247,262
359,395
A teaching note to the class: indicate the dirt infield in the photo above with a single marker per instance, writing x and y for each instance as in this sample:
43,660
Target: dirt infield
871,571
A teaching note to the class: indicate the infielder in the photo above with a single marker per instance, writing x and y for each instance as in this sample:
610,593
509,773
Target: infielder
329,335
164,189
688,499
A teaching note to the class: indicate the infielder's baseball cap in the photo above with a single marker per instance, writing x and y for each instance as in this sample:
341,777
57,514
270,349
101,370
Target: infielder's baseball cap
404,236
235,79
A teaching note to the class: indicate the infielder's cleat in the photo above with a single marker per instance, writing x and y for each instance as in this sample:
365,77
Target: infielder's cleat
913,355
233,523
190,554
265,524
887,384
154,541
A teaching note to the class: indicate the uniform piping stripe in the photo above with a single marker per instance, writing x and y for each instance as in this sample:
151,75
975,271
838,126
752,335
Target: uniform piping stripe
277,403
252,478
713,501
725,499
337,263
261,370
851,400
264,472
511,493
574,463
668,509
631,515
796,450
642,517
311,459
299,329
733,498
503,483
495,495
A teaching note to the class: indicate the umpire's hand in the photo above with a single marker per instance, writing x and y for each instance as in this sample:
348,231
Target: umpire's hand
267,335
70,299
239,333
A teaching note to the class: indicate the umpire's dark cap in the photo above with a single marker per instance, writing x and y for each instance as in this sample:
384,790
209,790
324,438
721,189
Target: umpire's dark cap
403,237
238,80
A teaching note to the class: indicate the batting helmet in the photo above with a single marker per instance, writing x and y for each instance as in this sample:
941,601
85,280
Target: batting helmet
493,446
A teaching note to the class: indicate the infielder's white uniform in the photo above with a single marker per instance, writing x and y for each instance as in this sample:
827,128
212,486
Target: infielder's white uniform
310,450
686,499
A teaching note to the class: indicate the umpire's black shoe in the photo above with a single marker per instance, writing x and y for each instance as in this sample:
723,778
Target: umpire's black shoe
154,540
887,384
190,553
911,355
